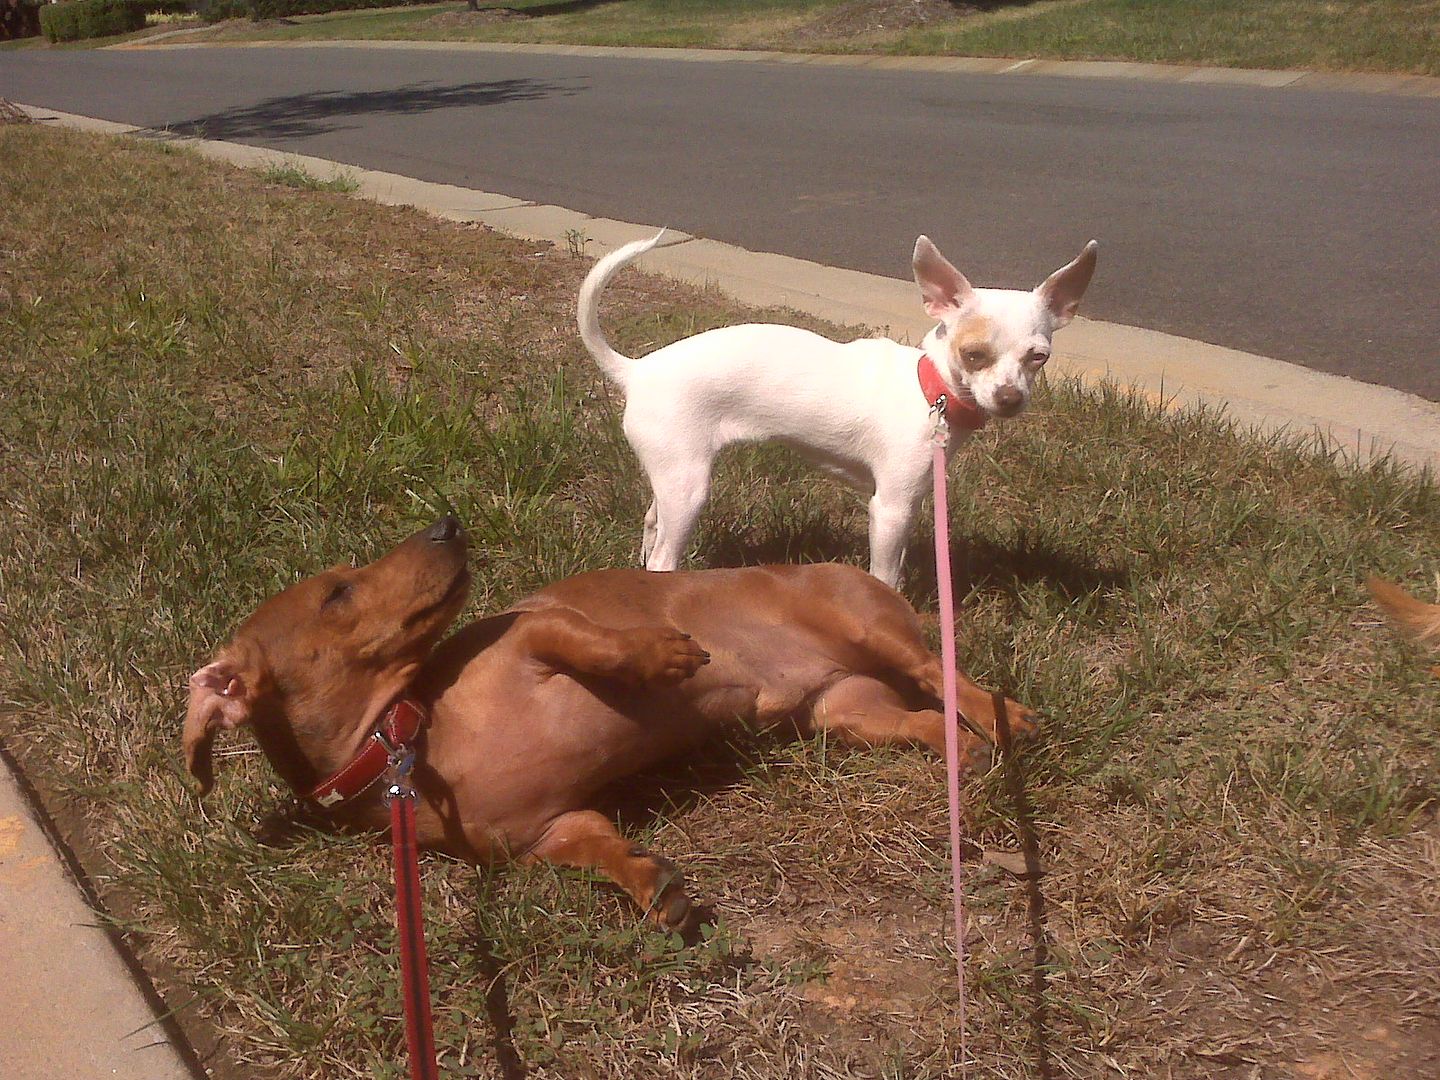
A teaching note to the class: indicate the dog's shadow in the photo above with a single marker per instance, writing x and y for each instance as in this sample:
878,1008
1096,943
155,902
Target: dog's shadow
816,540
976,563
981,564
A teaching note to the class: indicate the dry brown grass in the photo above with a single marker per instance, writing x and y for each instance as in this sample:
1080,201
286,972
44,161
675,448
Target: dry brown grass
213,384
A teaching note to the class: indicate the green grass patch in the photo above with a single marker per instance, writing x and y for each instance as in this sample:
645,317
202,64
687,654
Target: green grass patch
212,385
1337,35
294,176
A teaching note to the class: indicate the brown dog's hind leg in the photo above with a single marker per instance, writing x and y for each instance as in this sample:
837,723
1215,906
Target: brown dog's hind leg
570,641
978,706
862,711
589,840
869,628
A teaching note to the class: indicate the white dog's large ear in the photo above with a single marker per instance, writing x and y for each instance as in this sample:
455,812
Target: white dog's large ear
222,696
943,288
1062,290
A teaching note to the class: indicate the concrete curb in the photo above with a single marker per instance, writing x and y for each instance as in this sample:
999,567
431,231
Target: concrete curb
1357,419
72,1006
1337,81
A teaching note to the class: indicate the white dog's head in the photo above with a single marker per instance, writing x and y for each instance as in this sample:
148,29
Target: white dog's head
993,341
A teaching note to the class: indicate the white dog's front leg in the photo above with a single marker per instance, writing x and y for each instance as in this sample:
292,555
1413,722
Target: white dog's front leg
679,498
647,538
891,514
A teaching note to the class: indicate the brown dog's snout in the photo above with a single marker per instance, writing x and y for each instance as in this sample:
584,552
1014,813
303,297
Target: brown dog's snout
444,530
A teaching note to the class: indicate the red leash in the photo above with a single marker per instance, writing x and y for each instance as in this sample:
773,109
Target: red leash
391,748
410,918
947,660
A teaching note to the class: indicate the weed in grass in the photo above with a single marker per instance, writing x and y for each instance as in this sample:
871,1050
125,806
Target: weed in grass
1234,792
575,242
295,176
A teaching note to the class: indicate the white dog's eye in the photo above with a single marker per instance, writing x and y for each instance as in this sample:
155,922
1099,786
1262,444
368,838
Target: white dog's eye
1037,359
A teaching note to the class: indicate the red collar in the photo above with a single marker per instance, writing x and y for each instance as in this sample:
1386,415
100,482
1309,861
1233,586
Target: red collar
397,729
961,408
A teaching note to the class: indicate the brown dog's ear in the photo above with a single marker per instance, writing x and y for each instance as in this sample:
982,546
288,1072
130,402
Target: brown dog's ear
943,288
222,696
1062,290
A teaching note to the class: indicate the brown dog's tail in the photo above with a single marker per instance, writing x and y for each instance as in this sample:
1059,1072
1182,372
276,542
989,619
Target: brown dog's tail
1414,618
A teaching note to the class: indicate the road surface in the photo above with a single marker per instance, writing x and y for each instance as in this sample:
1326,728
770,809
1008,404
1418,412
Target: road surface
1301,225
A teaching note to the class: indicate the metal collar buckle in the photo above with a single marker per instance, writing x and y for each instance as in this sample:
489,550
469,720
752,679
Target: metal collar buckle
401,761
941,435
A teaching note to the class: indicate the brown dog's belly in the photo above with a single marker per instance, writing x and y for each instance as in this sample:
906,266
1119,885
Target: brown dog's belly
538,747
516,743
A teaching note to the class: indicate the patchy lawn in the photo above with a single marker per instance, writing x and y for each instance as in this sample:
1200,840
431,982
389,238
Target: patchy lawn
214,383
1336,35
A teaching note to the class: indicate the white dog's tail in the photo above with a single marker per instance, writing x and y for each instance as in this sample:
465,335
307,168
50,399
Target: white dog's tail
588,313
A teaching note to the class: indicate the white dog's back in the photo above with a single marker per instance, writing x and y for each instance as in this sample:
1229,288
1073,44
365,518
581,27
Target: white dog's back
830,384
830,390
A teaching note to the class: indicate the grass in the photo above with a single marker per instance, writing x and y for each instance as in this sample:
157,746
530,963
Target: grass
1335,35
212,384
294,176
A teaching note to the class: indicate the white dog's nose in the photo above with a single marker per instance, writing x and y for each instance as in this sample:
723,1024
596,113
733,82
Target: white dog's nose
1008,399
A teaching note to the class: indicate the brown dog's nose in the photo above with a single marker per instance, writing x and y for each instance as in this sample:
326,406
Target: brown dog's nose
444,530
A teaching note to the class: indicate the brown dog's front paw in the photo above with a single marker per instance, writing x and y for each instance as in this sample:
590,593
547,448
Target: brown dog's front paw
1023,722
662,656
670,904
978,757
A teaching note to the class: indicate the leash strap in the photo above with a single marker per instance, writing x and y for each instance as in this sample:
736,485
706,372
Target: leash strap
410,924
952,731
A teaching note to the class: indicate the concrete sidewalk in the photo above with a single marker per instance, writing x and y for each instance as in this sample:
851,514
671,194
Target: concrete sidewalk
1359,82
1357,418
71,1008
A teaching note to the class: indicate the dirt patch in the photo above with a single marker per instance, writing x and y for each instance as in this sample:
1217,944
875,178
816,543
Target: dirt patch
1381,1048
459,20
875,16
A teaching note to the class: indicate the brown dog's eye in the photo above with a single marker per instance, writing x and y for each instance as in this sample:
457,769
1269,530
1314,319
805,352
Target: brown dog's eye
340,592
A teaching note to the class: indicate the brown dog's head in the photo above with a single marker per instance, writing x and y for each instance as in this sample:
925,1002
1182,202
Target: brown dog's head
313,668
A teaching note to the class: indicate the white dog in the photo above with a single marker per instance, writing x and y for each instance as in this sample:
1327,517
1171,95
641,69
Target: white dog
861,410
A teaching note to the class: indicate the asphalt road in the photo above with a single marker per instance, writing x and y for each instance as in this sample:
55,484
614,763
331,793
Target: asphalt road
1300,225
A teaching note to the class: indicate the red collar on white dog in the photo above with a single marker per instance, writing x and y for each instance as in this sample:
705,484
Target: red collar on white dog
398,729
961,408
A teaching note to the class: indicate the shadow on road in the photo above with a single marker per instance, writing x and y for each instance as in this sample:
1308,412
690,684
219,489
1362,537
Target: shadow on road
302,115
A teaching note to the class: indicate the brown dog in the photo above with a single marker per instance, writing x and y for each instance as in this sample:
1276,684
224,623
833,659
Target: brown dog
1413,618
534,711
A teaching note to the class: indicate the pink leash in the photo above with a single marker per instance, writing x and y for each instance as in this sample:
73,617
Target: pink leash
952,733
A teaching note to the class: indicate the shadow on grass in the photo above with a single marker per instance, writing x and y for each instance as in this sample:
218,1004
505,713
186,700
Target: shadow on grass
814,541
1014,778
497,1008
975,563
536,11
979,563
302,115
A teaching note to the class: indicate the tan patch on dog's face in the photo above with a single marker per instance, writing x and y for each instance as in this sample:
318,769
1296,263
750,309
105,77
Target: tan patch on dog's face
972,343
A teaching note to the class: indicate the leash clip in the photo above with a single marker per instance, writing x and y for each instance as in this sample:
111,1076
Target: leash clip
941,435
402,760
